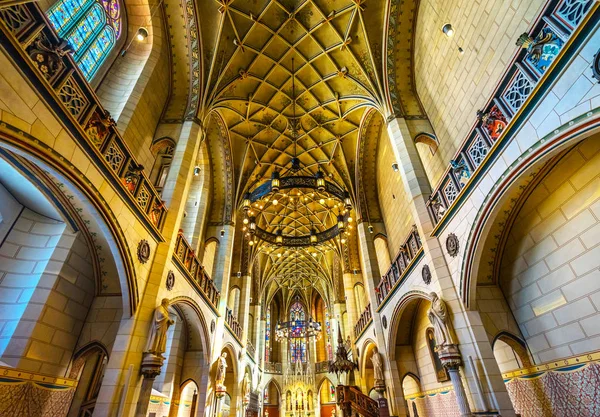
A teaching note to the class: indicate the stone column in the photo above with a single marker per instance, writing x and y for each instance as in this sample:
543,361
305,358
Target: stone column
151,365
473,341
244,308
451,360
259,336
221,279
348,278
118,391
370,270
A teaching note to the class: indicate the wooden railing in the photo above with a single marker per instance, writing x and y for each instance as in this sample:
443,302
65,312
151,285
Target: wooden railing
407,253
192,268
233,324
273,367
352,401
366,317
497,122
45,59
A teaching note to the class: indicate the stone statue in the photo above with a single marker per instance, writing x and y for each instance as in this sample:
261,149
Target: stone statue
221,369
157,343
439,316
377,366
246,386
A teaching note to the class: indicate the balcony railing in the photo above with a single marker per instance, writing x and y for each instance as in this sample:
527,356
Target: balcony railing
506,110
395,274
233,324
363,321
273,367
32,43
190,265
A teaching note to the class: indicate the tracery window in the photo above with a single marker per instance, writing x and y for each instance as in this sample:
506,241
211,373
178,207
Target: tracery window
298,340
268,338
91,27
328,334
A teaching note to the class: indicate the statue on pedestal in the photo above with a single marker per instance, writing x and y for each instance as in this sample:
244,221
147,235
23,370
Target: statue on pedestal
157,342
439,316
221,369
377,367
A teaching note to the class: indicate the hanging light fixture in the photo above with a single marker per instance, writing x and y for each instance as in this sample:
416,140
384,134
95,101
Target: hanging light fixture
284,190
275,181
341,223
246,202
347,201
320,180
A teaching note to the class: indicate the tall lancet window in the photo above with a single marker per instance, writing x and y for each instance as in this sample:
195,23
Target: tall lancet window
91,27
298,340
268,338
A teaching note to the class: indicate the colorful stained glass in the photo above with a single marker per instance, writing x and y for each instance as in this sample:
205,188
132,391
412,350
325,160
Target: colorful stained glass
268,336
87,28
95,55
66,12
298,341
91,28
328,335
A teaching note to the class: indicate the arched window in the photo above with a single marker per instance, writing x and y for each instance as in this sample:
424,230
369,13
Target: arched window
268,338
298,341
91,27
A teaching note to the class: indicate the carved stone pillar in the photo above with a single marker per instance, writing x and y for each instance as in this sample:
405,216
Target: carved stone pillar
451,360
151,365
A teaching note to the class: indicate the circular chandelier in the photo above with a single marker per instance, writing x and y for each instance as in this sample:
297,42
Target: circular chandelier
298,329
302,195
305,194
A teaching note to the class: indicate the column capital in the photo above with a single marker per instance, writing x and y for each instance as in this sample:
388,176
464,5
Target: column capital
449,356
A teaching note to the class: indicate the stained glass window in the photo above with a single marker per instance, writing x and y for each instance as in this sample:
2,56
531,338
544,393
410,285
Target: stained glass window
268,335
328,334
298,340
90,26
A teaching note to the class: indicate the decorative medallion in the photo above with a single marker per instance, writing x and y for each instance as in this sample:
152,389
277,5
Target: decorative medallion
452,245
212,326
426,274
596,66
143,251
170,280
384,322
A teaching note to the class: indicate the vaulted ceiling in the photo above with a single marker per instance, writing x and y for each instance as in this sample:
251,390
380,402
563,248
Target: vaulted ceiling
296,78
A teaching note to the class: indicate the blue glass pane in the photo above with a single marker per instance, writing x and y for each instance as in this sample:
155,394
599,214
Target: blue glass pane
87,28
66,12
97,52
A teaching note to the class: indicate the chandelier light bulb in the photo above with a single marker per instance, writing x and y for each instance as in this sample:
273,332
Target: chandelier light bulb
275,202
